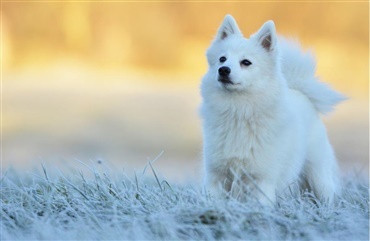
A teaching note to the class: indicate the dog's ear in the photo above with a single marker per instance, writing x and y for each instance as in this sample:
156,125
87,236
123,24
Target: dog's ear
266,36
228,27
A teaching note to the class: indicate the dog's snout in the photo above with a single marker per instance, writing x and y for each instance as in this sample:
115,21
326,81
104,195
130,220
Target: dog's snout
224,71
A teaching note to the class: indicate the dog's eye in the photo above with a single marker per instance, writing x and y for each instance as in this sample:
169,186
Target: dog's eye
246,62
222,59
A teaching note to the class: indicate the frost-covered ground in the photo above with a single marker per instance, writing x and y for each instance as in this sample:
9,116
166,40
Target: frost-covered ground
100,206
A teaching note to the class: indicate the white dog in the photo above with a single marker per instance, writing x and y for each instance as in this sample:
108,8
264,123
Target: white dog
261,125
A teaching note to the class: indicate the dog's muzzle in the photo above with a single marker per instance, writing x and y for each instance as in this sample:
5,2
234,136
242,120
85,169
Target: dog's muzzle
224,75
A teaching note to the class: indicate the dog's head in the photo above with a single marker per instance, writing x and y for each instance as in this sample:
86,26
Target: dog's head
237,63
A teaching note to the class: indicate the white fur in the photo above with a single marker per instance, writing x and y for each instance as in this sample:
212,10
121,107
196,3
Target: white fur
263,132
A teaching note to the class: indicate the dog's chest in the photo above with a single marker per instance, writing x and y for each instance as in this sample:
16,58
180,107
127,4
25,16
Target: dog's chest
238,135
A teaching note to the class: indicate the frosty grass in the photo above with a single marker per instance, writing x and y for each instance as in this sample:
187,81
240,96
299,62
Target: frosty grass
94,205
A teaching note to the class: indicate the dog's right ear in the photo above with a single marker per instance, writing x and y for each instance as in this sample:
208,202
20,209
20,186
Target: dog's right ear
266,35
228,27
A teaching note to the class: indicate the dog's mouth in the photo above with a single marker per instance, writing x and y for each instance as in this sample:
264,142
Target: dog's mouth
225,80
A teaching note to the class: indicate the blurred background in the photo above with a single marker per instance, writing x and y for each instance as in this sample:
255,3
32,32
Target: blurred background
118,83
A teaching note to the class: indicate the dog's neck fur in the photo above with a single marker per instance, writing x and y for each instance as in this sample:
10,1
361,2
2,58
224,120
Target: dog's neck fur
247,106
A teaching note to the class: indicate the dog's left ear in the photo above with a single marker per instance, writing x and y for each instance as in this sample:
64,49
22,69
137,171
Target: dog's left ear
266,36
228,27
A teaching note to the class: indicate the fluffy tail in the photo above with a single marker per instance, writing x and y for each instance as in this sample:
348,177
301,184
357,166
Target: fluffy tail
299,70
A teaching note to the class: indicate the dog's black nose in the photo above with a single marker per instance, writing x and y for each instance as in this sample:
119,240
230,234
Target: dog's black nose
224,71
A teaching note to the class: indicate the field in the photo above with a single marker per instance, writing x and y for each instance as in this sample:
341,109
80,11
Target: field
97,204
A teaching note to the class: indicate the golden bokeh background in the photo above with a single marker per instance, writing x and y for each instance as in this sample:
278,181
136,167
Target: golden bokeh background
119,81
